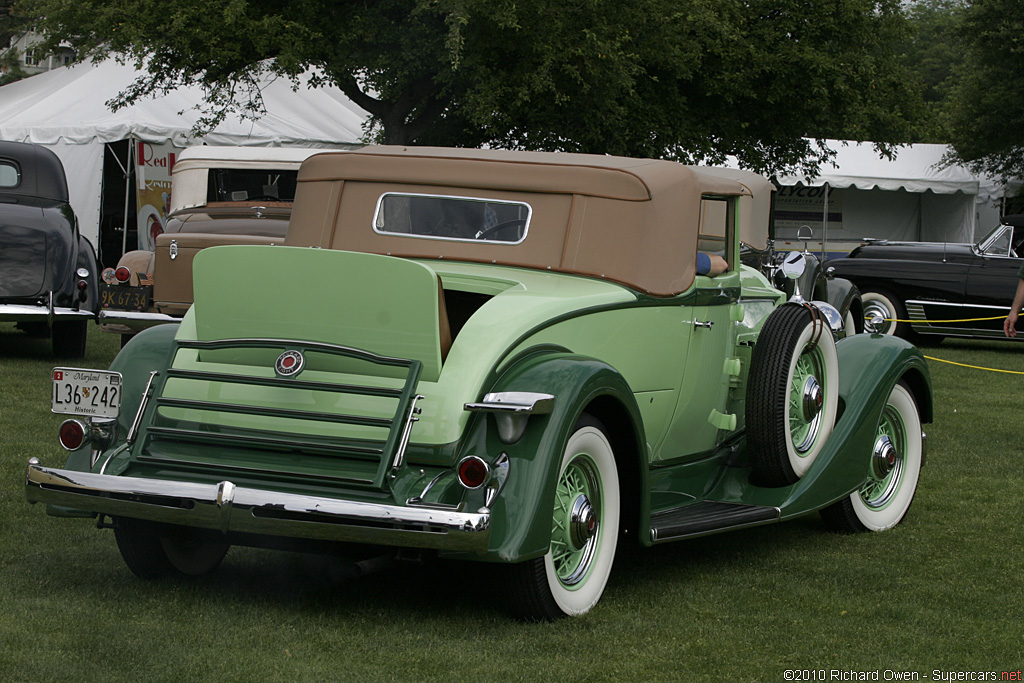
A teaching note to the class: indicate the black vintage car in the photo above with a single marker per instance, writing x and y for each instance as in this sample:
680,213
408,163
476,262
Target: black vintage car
935,290
48,270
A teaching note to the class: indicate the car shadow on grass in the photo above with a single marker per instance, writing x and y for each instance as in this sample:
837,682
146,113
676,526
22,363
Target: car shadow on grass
413,586
17,344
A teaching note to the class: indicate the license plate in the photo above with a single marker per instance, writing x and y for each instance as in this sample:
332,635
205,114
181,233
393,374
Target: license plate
125,298
96,393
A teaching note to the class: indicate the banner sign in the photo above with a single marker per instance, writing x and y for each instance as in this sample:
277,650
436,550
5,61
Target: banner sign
796,206
153,166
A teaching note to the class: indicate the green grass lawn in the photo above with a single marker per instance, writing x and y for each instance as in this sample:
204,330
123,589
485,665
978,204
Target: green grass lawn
941,592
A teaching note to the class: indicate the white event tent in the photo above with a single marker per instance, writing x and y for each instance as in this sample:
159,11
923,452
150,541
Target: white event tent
914,196
66,111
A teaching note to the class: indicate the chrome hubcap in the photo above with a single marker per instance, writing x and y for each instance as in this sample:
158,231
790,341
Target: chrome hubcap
875,316
886,462
812,399
885,457
582,522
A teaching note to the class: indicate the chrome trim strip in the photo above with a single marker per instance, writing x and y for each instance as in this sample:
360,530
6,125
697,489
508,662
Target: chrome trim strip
137,319
229,507
133,431
500,469
110,457
922,302
920,323
417,501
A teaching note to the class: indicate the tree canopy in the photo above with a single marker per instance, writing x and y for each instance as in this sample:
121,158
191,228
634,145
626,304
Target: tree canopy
693,80
932,55
986,117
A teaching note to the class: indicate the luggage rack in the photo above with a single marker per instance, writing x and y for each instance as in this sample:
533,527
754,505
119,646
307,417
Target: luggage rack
170,442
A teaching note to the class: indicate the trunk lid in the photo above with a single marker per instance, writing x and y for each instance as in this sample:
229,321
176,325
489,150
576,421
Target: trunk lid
31,252
363,330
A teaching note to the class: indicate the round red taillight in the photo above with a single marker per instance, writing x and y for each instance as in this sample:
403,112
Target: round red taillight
72,434
82,285
123,274
473,472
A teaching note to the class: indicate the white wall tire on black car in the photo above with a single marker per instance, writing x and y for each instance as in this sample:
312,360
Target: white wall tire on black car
895,467
571,577
881,313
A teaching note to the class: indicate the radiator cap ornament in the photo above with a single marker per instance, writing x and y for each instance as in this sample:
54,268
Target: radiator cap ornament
289,364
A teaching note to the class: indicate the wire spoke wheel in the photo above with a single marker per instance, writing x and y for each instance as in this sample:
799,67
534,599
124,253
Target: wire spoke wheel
575,525
893,471
571,577
805,399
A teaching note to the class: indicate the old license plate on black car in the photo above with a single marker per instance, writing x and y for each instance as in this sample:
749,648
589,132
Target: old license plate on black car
96,393
123,297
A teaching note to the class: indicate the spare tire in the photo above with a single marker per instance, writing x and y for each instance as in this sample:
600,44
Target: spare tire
792,394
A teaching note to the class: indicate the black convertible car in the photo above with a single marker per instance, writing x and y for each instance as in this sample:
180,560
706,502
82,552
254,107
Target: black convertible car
936,289
47,269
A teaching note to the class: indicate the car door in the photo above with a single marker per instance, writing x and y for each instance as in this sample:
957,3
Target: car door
701,415
991,283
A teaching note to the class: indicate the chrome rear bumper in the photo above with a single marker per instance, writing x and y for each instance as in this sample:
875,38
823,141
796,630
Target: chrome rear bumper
28,312
227,507
128,322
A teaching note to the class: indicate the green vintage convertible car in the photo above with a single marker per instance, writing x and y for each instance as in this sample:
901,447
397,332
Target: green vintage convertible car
501,357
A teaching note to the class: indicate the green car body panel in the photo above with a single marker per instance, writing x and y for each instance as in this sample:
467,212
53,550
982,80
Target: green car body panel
411,365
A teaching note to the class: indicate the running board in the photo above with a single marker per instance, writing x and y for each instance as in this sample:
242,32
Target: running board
708,517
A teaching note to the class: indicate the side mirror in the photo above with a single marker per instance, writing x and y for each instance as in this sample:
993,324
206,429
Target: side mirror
793,266
805,234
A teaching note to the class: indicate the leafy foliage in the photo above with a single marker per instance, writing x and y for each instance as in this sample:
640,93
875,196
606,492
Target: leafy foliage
933,55
11,24
693,80
10,67
987,120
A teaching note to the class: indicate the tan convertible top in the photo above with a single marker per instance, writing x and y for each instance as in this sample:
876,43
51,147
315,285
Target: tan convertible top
634,221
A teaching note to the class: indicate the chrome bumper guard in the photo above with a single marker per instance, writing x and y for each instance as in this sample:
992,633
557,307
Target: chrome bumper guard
227,508
126,322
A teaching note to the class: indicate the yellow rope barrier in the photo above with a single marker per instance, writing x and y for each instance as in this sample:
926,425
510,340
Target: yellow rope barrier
963,365
975,367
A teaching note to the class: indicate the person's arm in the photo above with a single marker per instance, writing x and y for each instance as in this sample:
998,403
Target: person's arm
718,265
1010,324
710,264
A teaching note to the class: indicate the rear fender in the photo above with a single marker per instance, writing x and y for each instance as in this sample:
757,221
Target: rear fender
87,259
147,351
521,514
